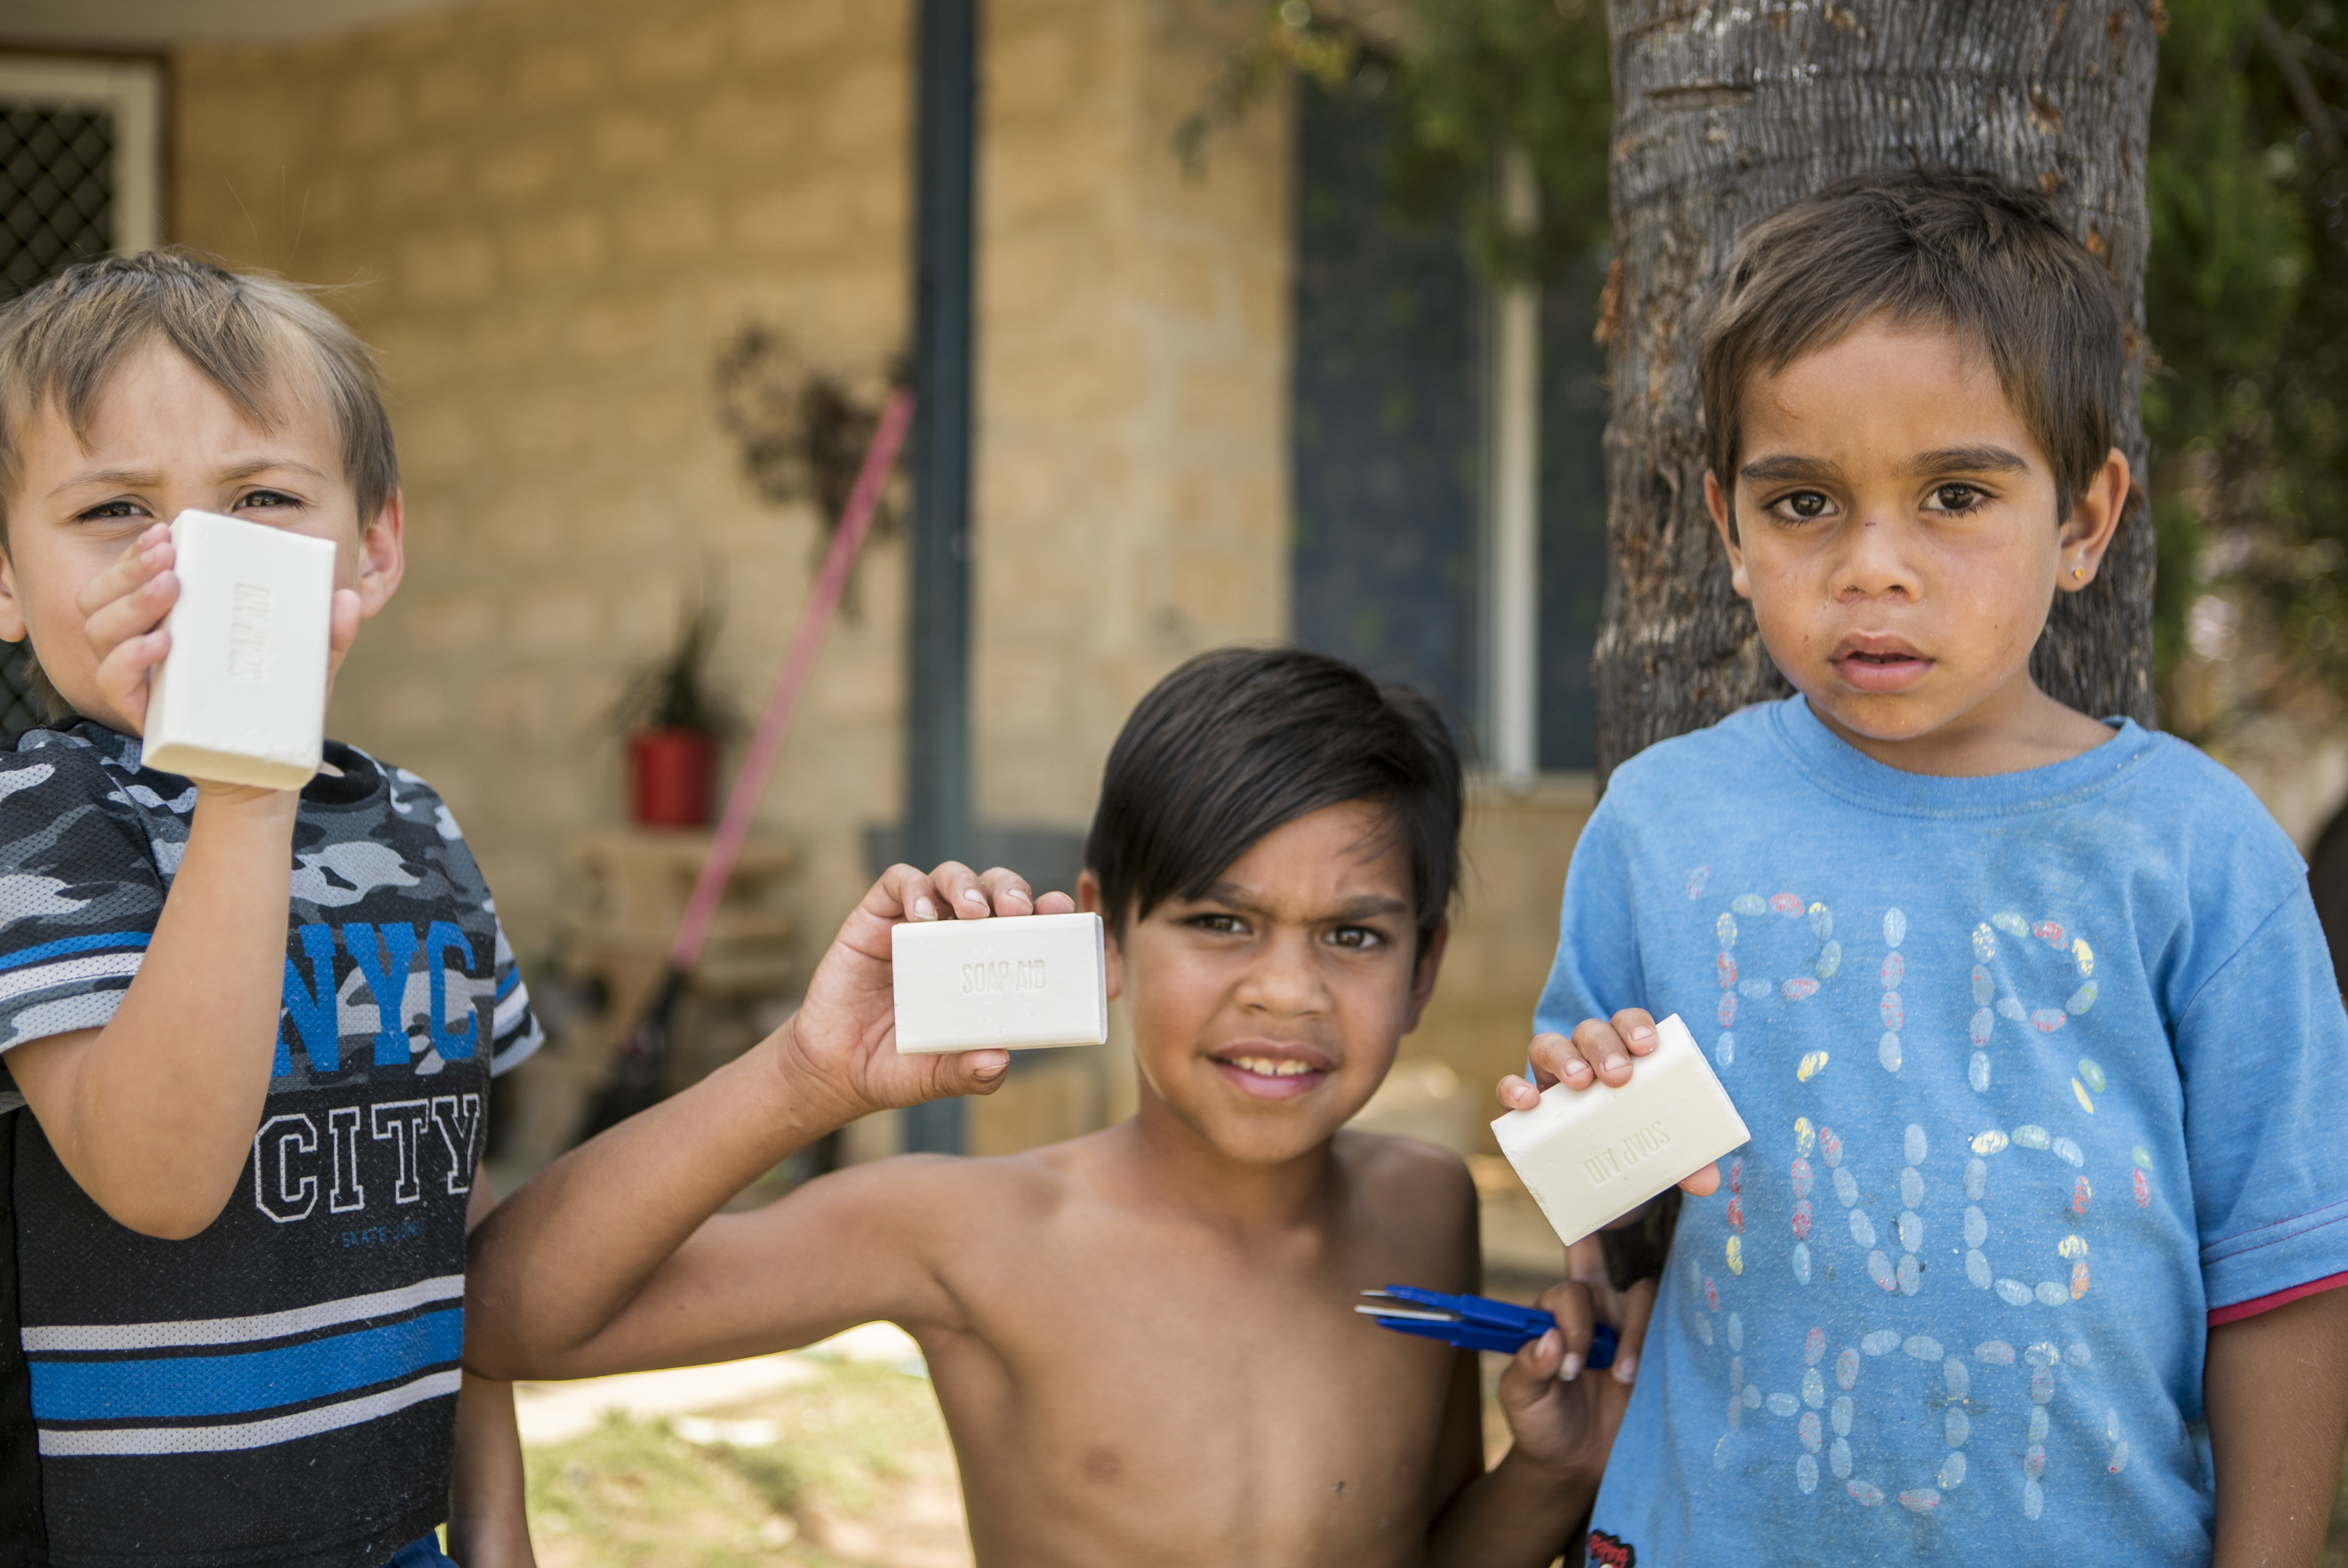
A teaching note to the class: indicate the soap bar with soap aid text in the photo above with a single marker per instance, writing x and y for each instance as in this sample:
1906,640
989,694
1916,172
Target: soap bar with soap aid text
241,697
1010,982
1589,1156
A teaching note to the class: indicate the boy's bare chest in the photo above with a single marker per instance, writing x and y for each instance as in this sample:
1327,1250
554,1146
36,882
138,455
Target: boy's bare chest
1168,1399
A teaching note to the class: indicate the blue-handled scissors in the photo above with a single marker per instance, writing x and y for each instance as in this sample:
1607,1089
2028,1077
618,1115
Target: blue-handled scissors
1472,1322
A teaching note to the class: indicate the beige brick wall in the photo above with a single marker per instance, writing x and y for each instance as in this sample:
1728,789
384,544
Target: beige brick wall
1515,847
554,212
1133,484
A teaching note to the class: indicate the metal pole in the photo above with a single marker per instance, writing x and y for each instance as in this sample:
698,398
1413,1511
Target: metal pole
1512,715
937,707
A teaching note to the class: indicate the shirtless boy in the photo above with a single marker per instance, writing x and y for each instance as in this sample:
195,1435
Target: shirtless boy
1142,1340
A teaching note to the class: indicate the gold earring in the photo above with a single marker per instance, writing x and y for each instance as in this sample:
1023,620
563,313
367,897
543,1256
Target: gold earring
2078,572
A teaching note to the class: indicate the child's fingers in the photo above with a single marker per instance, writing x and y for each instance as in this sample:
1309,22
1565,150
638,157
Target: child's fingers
1569,1302
141,560
969,1072
1704,1183
1636,1028
121,675
960,895
1007,891
1055,904
1561,1059
1516,1094
139,607
1638,1305
905,892
1603,1046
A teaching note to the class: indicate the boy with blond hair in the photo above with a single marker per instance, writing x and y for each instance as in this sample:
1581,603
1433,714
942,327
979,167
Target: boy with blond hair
1143,1339
247,1034
2035,1254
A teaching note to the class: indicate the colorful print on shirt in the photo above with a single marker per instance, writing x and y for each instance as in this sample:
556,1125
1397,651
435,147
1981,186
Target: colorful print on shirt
280,1387
2026,1060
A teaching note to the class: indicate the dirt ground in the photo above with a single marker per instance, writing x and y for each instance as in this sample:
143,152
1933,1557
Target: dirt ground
846,1466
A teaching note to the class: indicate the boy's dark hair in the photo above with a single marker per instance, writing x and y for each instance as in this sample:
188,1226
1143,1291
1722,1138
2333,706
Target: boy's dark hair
1240,741
1985,259
256,337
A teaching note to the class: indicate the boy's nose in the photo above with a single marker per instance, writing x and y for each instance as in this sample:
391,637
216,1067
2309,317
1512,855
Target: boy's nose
1285,981
1875,562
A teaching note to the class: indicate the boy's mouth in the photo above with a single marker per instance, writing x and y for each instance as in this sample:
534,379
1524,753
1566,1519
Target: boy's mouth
1868,663
1273,1069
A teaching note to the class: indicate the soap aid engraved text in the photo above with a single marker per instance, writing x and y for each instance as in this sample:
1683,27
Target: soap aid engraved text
247,631
1610,1162
1003,975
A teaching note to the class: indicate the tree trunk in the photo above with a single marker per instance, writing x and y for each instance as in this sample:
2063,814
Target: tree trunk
1723,112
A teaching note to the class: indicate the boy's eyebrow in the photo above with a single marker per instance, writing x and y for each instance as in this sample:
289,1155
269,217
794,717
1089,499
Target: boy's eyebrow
247,469
1967,460
142,478
1772,470
136,478
1369,905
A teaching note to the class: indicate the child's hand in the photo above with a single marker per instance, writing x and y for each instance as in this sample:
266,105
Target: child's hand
122,610
1562,1418
1599,1051
843,1042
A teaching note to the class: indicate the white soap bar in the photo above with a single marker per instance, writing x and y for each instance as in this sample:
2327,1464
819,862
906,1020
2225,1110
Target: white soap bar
1591,1155
1009,982
242,696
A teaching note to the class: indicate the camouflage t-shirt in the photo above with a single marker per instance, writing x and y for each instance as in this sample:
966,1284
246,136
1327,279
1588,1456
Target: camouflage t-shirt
280,1388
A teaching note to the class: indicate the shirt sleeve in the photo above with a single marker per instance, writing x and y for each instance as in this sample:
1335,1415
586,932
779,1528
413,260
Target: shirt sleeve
515,1034
1597,972
79,894
2262,1047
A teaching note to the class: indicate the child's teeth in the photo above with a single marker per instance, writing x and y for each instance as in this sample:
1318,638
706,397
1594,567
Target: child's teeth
1265,1067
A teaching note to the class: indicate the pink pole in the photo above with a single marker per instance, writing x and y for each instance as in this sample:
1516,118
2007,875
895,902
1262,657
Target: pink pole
766,740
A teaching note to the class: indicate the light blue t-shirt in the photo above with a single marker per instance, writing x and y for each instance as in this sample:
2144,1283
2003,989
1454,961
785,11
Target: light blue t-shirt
2040,1069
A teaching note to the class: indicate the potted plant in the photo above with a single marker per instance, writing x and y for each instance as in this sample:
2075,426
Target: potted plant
672,722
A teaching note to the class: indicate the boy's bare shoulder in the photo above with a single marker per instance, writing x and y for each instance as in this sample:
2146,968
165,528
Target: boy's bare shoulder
986,1191
1405,1175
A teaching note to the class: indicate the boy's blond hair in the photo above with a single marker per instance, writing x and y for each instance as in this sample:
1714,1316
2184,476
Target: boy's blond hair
258,338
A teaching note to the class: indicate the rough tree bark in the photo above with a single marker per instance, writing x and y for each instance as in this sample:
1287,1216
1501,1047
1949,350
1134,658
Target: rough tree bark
1722,112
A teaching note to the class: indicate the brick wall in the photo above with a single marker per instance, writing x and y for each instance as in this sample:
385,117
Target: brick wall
555,212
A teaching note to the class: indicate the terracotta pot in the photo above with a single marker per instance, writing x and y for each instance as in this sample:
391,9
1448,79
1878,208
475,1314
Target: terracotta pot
670,775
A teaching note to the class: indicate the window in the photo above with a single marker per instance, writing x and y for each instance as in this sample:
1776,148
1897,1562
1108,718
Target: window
78,177
1449,506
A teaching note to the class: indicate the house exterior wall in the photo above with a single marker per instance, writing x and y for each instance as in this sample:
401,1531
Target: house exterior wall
552,215
557,212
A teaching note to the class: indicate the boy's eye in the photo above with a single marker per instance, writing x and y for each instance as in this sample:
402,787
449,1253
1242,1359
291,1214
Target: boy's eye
259,498
105,510
1955,497
1221,925
1803,506
1358,937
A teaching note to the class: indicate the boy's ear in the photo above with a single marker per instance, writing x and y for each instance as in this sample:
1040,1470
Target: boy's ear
1088,901
2095,518
1716,502
11,613
1423,973
383,554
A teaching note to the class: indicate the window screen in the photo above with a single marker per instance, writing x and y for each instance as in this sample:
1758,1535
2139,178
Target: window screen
78,179
57,191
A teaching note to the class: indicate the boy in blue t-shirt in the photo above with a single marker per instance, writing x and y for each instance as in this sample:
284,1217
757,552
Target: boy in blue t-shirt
246,1035
2035,1252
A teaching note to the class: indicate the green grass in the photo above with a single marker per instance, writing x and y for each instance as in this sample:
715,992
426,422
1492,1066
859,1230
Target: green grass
855,1445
